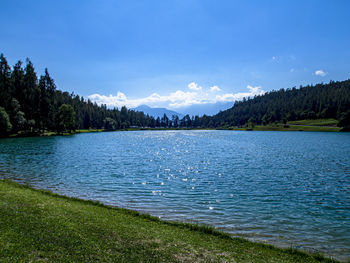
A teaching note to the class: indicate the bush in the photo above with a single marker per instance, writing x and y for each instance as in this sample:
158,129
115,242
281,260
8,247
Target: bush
5,124
66,118
344,120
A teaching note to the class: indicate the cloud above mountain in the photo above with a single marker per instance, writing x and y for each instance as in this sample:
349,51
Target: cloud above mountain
320,73
194,95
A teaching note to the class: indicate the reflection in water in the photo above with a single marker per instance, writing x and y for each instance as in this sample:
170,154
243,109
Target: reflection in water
285,188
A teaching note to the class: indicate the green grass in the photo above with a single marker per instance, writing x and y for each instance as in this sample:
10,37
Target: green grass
320,125
166,129
318,122
39,226
281,127
51,133
88,130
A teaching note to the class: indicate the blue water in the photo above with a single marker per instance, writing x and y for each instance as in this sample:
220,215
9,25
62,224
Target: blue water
290,189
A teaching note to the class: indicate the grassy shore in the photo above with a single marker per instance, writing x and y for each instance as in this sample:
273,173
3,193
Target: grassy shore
52,133
319,125
37,225
317,122
281,127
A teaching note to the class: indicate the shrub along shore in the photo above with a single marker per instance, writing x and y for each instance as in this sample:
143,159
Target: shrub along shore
37,225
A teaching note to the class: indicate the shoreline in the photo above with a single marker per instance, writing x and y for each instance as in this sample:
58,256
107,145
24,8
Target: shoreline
10,190
278,127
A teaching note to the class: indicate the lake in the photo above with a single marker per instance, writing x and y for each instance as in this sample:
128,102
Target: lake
290,189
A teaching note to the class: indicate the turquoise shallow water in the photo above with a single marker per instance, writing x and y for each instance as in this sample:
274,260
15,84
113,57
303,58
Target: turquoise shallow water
283,188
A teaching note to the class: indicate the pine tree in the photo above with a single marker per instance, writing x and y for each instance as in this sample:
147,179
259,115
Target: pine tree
31,95
5,83
47,103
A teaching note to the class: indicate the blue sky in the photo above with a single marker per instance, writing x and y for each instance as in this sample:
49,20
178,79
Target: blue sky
179,53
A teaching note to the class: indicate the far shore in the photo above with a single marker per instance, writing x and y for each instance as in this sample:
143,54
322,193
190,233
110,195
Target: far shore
276,127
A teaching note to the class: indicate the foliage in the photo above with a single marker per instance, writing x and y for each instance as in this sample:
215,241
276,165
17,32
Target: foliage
66,118
110,124
5,125
5,83
17,116
344,120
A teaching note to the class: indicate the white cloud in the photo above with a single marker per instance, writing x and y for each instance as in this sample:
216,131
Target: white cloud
177,99
120,99
194,86
215,88
320,73
253,91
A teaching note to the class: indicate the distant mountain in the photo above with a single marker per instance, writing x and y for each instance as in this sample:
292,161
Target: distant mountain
157,112
200,109
208,109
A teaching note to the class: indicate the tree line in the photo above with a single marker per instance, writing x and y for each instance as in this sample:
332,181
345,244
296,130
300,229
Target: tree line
331,100
31,104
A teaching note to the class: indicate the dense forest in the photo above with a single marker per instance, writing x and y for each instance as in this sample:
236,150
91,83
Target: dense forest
32,105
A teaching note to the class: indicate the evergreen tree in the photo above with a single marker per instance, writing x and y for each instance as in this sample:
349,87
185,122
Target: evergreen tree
47,103
17,81
31,96
165,121
5,83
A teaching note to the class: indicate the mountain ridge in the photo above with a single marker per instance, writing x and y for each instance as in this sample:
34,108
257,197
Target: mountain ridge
157,112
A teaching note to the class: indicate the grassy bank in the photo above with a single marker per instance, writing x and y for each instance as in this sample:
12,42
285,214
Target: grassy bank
281,127
319,125
37,225
88,130
317,122
290,127
52,133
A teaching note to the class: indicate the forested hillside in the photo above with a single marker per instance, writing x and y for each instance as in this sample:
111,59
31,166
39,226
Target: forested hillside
330,100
